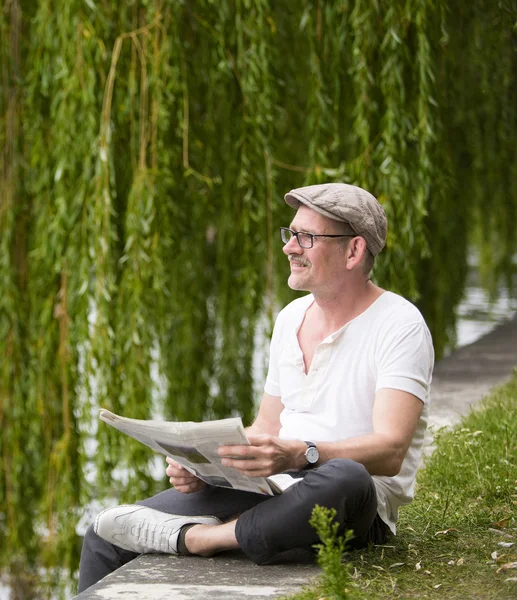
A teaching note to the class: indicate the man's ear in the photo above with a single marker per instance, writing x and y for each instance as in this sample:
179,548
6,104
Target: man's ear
355,251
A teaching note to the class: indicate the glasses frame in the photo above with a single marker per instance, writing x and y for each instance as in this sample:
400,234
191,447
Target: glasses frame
311,236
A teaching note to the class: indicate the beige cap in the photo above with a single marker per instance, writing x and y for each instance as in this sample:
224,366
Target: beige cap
348,203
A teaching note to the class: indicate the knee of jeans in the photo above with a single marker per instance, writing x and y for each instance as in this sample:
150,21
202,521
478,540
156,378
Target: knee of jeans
90,534
345,472
346,466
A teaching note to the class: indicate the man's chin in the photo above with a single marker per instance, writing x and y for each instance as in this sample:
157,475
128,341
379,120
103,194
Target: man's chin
295,284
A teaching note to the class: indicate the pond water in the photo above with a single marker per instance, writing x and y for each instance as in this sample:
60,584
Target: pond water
477,316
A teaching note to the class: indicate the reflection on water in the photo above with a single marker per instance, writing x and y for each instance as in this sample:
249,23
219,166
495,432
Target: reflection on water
477,316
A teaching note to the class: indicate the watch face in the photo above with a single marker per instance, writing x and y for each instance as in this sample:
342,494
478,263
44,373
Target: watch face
312,455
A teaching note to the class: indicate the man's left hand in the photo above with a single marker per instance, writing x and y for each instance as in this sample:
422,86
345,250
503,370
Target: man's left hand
267,455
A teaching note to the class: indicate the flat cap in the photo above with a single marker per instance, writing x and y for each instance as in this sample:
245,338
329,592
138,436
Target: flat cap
347,203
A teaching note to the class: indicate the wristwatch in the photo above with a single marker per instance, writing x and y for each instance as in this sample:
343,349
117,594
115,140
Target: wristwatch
311,455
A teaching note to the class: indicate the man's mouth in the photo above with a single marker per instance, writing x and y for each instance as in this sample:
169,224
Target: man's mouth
299,262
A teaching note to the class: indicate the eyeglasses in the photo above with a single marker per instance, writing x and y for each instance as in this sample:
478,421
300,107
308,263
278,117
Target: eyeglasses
304,239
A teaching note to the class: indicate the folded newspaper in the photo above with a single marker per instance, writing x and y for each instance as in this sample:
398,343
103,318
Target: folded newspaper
194,445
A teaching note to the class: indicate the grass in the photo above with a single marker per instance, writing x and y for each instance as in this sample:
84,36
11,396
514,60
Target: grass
449,539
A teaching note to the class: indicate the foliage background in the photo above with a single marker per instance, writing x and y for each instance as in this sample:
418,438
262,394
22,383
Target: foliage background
145,150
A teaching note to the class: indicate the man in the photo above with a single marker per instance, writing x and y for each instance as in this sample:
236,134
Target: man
345,408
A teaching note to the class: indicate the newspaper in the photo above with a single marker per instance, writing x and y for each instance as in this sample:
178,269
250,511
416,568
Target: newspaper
194,445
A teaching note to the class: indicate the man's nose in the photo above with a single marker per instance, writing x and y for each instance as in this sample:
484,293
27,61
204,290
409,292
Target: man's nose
292,247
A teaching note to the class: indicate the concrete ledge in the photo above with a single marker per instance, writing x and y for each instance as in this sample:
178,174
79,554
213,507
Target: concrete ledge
228,575
462,379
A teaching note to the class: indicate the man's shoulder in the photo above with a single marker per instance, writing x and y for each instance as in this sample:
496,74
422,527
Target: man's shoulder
401,322
397,307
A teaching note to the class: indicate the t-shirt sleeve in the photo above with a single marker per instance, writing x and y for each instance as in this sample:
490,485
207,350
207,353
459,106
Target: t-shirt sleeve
405,359
272,385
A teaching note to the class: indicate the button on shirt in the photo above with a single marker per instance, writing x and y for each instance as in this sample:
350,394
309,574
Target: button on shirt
386,346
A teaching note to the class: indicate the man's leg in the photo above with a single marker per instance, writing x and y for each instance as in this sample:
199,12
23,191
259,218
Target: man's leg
206,540
99,557
267,525
282,523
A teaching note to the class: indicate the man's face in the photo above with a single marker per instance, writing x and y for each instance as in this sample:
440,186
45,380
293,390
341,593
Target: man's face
320,267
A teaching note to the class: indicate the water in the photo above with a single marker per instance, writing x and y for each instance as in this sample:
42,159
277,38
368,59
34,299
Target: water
477,316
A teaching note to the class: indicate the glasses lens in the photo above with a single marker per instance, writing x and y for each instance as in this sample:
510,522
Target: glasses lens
286,235
305,240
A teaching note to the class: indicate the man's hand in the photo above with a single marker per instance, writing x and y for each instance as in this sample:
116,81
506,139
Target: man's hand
181,479
267,455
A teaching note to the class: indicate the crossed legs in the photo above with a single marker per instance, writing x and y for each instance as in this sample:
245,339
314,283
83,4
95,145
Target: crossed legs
261,526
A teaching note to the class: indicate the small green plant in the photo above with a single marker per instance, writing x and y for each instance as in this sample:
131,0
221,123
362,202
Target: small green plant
336,581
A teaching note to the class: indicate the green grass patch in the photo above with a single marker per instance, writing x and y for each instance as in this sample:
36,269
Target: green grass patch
449,542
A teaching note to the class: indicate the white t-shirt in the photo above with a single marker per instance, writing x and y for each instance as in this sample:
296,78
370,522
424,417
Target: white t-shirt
386,346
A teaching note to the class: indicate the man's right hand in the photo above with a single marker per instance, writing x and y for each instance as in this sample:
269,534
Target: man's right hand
181,479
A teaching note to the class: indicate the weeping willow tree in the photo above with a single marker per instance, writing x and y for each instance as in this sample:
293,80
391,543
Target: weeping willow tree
145,149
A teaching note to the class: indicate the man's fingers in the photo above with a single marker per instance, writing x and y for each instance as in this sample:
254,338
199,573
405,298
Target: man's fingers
173,471
244,465
175,480
190,484
230,451
255,441
260,440
259,459
189,488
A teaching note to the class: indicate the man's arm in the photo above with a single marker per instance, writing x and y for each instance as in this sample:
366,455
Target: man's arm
268,416
395,418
